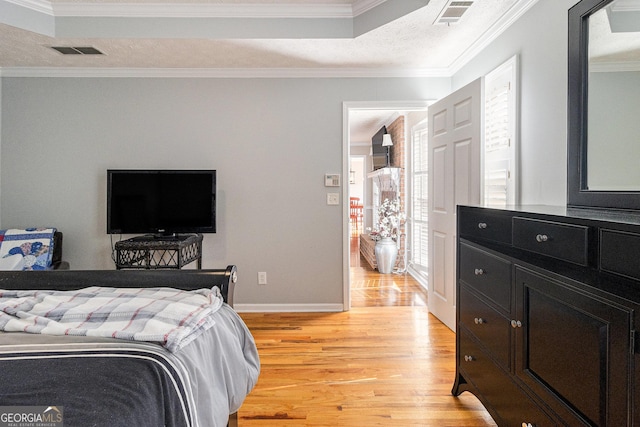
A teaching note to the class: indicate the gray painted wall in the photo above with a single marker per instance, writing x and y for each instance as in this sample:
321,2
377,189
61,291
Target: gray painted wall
539,38
614,102
271,140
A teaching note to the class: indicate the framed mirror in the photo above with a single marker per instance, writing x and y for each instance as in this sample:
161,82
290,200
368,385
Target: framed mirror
604,105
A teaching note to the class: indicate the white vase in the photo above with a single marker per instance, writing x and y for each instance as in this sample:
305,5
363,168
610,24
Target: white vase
386,254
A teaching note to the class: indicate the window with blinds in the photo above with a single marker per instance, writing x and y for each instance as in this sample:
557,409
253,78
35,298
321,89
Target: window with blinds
420,202
500,184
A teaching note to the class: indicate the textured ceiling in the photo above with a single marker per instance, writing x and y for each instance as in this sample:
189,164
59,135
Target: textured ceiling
363,124
280,34
614,36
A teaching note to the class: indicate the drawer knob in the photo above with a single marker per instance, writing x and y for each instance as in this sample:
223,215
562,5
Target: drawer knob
478,272
542,238
516,324
478,320
468,358
482,225
528,425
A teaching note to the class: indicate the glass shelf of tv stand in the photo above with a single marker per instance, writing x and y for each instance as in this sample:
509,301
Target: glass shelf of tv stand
159,252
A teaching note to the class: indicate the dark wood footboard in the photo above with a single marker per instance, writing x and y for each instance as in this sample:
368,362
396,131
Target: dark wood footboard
68,280
233,420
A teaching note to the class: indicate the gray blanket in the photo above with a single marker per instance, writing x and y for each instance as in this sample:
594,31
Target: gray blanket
110,382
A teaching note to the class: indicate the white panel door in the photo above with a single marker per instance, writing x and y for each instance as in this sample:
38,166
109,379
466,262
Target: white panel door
454,157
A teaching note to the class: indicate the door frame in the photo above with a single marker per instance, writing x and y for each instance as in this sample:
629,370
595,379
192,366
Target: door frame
347,107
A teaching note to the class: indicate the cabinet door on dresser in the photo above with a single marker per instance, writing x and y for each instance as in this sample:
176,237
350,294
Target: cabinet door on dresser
573,350
485,338
505,400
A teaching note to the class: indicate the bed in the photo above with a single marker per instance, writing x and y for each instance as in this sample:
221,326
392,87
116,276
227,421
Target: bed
97,380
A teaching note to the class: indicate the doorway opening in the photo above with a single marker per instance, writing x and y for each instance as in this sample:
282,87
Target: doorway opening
357,148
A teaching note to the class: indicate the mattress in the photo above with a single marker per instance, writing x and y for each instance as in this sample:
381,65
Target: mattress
99,381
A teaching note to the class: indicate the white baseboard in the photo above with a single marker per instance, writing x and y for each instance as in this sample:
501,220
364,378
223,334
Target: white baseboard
288,308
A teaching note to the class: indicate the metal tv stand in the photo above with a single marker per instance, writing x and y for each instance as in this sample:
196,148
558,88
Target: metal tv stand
159,252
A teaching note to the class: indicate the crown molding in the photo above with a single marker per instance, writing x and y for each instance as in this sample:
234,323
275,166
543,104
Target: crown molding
626,6
613,67
227,73
35,5
201,10
363,6
518,9
204,10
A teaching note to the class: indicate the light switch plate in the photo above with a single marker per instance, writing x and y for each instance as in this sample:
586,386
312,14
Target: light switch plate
262,277
333,198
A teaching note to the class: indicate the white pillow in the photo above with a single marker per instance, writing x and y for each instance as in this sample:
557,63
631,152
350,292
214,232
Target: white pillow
12,262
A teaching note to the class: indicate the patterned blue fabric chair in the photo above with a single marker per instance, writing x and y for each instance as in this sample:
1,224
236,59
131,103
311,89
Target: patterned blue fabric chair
39,248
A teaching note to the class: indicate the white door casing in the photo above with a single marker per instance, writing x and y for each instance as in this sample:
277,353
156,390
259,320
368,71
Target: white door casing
454,163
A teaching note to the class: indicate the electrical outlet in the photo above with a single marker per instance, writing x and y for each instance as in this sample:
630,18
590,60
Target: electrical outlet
262,277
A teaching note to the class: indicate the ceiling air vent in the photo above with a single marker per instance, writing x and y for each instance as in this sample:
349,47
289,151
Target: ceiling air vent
452,12
69,50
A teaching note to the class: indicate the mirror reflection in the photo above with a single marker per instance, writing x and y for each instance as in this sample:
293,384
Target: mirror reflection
613,139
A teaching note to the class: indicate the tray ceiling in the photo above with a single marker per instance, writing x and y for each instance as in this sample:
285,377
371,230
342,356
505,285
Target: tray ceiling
236,37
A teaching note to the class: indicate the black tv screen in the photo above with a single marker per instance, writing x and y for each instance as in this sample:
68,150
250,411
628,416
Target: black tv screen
161,202
378,152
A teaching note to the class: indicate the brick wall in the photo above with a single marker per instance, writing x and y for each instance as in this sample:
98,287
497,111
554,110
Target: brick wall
398,157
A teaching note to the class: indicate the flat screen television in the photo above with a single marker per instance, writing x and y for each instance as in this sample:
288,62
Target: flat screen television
161,202
378,152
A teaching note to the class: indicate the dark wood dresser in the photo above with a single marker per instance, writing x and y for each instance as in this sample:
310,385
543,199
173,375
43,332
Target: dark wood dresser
547,307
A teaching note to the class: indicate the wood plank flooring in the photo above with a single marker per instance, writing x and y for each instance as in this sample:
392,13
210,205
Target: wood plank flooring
387,362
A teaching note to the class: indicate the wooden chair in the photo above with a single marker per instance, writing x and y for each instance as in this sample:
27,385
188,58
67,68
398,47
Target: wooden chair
355,212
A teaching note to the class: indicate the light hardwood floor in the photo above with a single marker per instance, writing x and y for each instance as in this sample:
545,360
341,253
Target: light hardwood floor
387,362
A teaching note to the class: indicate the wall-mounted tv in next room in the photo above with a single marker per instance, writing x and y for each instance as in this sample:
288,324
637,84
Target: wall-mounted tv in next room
378,152
163,202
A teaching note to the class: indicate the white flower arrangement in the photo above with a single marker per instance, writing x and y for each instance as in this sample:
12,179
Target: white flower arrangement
390,219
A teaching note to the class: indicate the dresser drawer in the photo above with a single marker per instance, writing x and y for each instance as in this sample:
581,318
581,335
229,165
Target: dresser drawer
499,393
478,223
486,273
567,242
619,253
491,328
